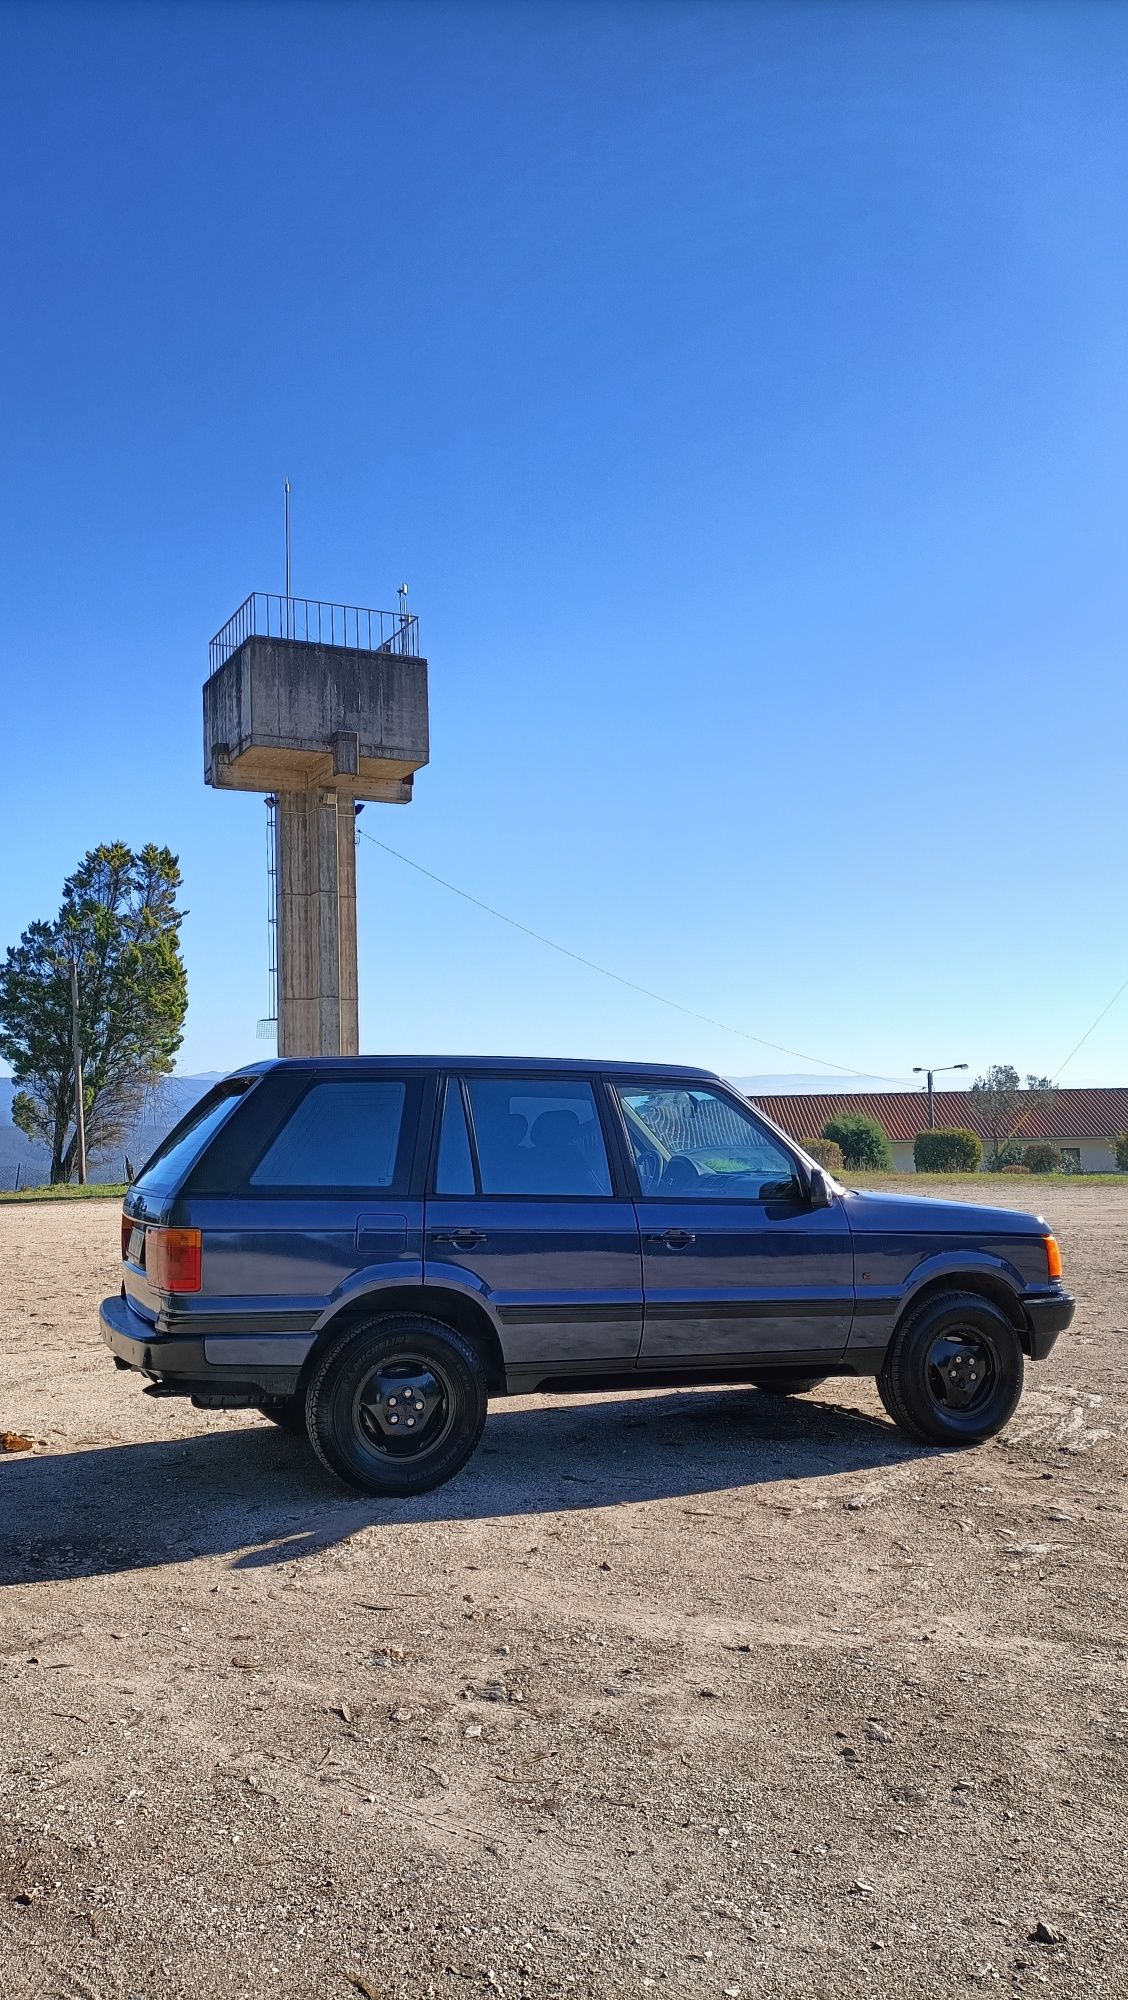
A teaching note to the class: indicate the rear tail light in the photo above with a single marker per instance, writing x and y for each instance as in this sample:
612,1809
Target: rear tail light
126,1233
173,1259
1053,1257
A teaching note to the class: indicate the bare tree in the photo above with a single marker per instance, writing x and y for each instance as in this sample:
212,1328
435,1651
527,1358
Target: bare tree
1006,1107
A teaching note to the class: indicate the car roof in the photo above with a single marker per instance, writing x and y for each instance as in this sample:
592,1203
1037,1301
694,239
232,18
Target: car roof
505,1065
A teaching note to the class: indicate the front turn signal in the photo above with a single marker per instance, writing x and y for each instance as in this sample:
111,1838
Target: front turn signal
1053,1257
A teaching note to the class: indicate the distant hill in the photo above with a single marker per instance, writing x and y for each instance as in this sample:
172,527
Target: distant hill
168,1104
803,1084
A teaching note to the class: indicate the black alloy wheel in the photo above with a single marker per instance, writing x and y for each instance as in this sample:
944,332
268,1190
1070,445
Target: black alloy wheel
953,1371
960,1370
405,1407
397,1404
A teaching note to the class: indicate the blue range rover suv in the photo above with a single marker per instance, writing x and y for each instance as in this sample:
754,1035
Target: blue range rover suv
368,1248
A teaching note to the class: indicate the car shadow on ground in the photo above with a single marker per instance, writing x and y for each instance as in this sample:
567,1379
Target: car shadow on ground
258,1495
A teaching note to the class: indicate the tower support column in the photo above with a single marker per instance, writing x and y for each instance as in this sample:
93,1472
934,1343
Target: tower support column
317,968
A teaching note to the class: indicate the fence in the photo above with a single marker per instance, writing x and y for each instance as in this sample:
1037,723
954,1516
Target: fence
310,622
33,1173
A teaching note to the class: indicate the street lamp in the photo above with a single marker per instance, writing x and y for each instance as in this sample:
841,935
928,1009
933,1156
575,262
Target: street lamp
941,1070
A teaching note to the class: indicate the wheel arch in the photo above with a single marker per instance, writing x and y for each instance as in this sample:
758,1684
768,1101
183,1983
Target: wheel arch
984,1284
456,1309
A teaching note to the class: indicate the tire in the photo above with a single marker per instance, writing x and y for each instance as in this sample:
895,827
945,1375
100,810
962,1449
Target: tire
953,1371
784,1384
288,1415
397,1404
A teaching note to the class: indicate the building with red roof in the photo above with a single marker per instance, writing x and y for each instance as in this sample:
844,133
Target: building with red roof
1083,1124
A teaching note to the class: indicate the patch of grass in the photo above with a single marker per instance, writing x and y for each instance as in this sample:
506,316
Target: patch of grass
101,1191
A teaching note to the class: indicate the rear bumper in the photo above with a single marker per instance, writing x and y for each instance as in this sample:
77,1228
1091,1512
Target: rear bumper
186,1365
1048,1317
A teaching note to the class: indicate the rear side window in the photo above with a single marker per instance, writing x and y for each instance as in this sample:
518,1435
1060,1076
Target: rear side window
537,1136
339,1135
176,1154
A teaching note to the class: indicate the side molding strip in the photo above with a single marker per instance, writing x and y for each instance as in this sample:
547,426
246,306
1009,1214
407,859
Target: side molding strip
257,1350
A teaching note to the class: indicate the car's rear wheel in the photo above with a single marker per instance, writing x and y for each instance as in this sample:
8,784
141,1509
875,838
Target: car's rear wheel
785,1384
397,1404
953,1371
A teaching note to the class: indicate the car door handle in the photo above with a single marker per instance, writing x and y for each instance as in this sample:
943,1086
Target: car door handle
462,1239
674,1239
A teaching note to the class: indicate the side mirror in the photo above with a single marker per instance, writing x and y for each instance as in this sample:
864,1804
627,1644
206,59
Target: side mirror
821,1193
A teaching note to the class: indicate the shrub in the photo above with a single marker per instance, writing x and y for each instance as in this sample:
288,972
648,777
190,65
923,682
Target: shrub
862,1140
1121,1144
1008,1155
826,1152
1014,1167
1042,1158
950,1149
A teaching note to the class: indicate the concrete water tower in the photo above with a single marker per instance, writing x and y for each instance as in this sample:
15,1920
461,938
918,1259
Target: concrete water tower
320,705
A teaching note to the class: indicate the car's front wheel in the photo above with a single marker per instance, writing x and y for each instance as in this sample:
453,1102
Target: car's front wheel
397,1404
786,1384
953,1371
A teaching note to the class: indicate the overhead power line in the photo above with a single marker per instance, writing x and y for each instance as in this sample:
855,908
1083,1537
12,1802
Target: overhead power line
663,1000
1091,1029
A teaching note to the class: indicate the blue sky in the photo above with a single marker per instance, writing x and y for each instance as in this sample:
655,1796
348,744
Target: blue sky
740,389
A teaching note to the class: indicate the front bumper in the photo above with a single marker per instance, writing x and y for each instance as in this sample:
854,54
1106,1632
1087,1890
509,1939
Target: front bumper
1048,1316
180,1364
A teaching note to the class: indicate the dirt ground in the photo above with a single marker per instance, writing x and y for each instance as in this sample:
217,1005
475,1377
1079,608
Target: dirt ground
706,1693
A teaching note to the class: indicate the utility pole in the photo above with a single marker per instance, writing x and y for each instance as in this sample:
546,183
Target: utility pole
286,539
79,1106
940,1070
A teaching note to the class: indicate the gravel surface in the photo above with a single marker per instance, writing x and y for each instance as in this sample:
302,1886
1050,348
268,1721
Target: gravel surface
706,1693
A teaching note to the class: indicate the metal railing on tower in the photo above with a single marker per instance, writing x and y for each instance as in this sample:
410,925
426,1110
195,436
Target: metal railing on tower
311,621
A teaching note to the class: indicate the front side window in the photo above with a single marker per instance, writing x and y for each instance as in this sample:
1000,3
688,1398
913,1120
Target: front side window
698,1142
339,1135
537,1136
